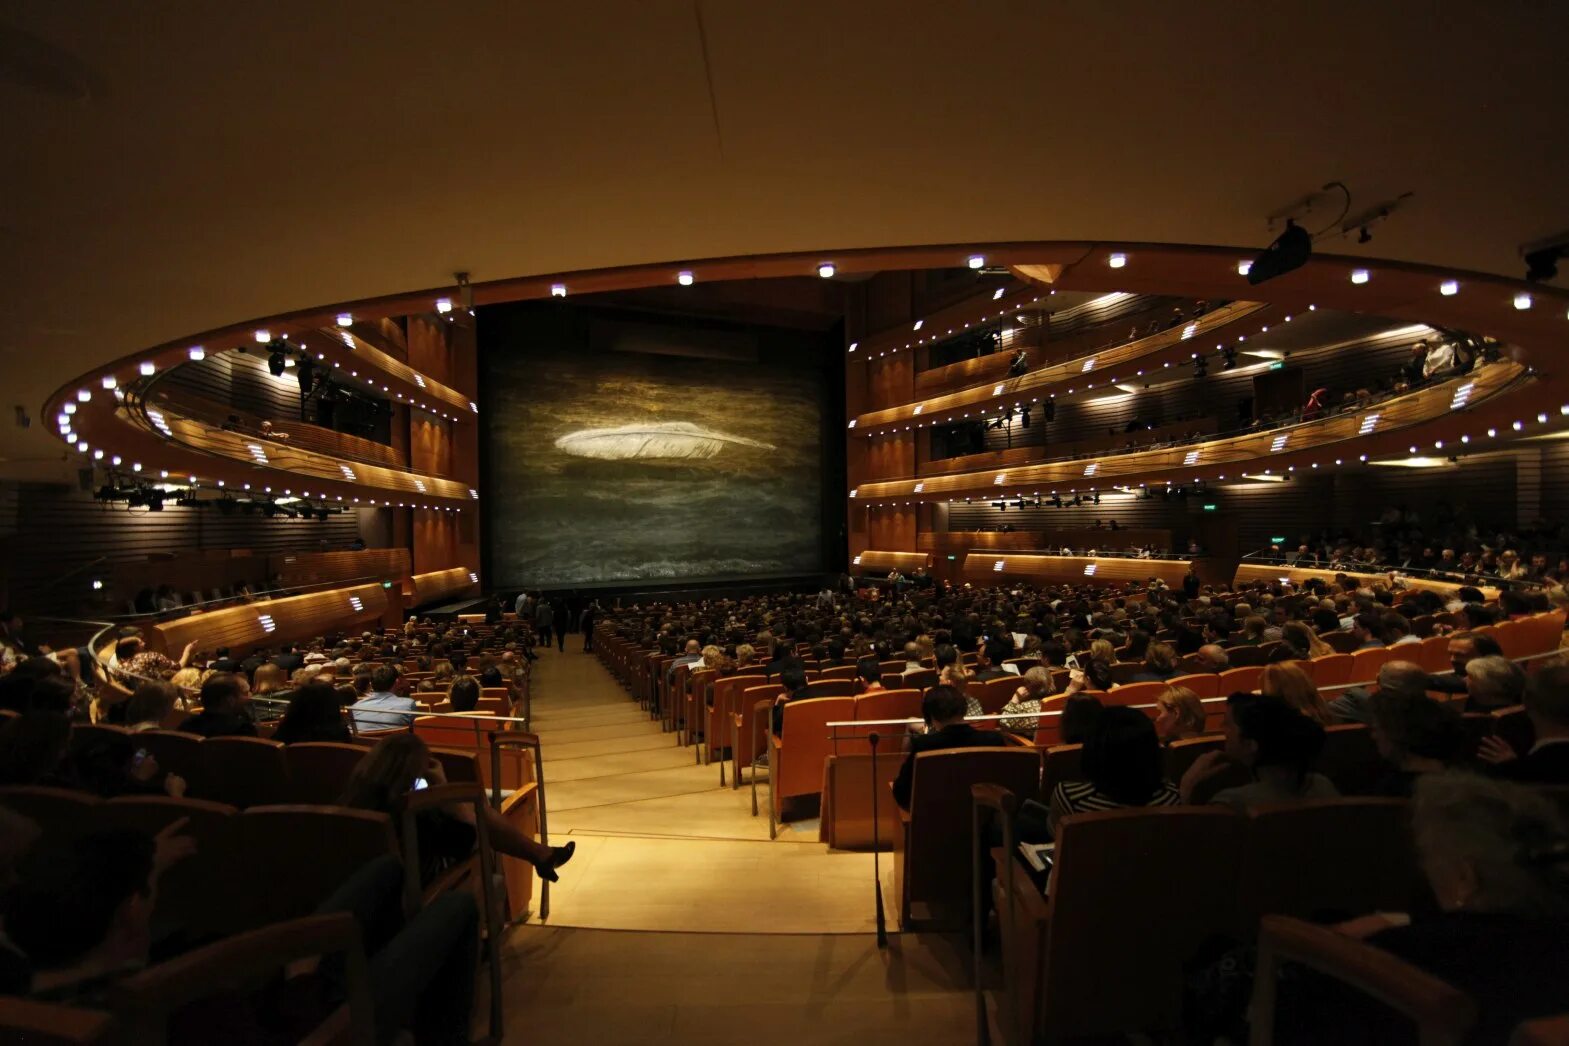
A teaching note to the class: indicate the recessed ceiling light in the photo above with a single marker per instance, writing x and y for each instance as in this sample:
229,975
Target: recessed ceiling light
148,368
1117,261
196,353
1360,276
84,395
684,278
1449,288
345,319
263,336
108,381
976,261
1244,267
443,305
558,290
826,270
1522,301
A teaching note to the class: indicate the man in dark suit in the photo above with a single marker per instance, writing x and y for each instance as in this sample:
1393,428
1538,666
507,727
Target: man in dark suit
223,662
1547,705
946,728
989,658
1464,647
223,698
289,659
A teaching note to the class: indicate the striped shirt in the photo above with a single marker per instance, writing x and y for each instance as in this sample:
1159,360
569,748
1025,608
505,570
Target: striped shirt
1081,797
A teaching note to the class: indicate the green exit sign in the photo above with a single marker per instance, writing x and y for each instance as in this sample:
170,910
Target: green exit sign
953,557
1277,541
1276,365
1209,508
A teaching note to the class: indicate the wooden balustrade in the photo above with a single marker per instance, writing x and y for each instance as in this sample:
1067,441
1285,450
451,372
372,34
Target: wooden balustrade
272,621
1250,572
302,434
979,397
1252,452
1026,540
875,559
1106,444
986,568
315,568
424,589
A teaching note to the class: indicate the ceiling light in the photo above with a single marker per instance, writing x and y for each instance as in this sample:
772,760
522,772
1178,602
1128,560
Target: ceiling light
148,368
1360,276
1522,301
918,324
826,270
853,345
558,290
1117,261
1449,288
345,319
196,353
443,305
262,337
108,381
684,278
84,395
997,294
976,261
1244,267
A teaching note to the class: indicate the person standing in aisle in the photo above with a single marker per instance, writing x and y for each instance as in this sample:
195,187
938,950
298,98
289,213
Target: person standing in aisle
590,612
544,615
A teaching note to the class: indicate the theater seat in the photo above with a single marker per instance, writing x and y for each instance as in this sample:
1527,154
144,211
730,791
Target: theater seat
1350,758
1134,694
303,853
721,715
1234,679
833,688
197,896
180,753
932,864
1204,684
1366,663
60,813
1330,670
320,770
246,771
1179,755
797,754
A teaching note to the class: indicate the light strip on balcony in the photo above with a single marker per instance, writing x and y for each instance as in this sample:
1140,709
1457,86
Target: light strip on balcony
1189,331
1191,458
920,487
856,561
1462,394
1002,477
267,623
1279,442
1091,468
354,601
997,566
473,493
1089,365
473,577
158,422
419,380
257,453
420,484
1369,423
1089,569
348,474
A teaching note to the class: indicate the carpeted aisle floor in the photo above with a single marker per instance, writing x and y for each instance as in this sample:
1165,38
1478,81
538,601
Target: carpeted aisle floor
680,920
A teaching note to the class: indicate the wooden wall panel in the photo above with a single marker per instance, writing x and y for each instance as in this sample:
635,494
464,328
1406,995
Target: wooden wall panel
1555,491
873,561
438,585
239,380
313,568
428,348
430,443
890,456
269,622
892,528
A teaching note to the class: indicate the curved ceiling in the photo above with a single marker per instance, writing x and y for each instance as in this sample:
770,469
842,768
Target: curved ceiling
176,167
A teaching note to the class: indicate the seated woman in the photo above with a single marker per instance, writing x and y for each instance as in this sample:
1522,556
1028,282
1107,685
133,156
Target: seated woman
1299,643
1292,685
402,763
1160,664
1415,736
315,713
869,675
1034,688
745,657
1103,650
959,678
1276,743
1122,767
1252,631
463,694
792,677
1180,715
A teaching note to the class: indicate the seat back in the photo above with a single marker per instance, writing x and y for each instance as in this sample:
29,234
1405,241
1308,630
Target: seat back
838,672
179,753
1134,694
934,863
804,744
1179,755
1366,663
1115,875
1246,656
1204,684
1234,679
320,770
1060,763
1330,670
833,688
59,813
1341,642
1432,654
1326,859
918,680
1514,726
750,735
880,704
1123,671
303,853
994,693
201,895
246,771
1350,758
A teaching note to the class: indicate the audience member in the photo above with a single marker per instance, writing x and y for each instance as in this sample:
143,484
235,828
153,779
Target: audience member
1415,735
383,709
1493,683
223,699
1547,706
1276,743
315,713
1122,767
1292,685
1180,715
944,710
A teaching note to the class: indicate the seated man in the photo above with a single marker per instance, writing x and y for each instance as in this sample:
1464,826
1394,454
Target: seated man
381,708
1276,743
1211,657
946,728
223,696
1547,706
1464,647
989,659
1493,683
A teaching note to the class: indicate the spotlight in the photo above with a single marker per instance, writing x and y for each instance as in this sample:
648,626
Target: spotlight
1229,356
345,319
1449,288
1289,251
1201,367
276,363
1360,276
1364,236
976,261
1117,261
1024,417
1019,364
306,374
826,270
154,500
1543,264
684,278
1049,411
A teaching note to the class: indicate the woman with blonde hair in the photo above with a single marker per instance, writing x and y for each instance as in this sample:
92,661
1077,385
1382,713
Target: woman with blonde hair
270,678
959,677
401,764
1102,650
1302,643
1025,704
1180,716
745,656
1292,685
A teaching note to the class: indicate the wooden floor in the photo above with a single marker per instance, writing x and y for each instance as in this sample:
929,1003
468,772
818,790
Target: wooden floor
679,920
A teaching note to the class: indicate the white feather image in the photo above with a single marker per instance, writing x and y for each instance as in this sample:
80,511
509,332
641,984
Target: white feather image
679,440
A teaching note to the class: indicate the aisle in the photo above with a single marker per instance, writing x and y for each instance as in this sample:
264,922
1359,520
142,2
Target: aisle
660,846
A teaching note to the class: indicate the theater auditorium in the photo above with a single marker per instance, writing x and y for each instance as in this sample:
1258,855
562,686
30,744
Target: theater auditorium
686,521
